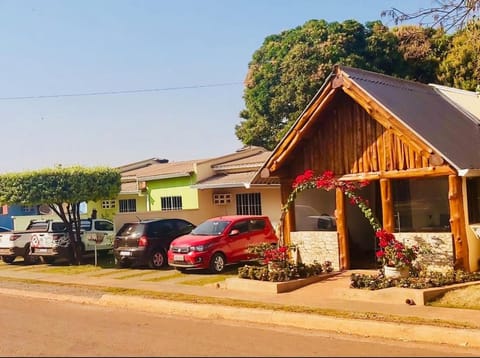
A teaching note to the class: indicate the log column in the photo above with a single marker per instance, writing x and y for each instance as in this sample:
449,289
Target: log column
457,222
288,218
388,218
342,230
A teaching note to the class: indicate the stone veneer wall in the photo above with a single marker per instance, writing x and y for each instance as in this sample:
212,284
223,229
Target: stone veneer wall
322,246
440,245
319,246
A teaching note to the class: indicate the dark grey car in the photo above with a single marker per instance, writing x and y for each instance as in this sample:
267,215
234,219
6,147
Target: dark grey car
147,242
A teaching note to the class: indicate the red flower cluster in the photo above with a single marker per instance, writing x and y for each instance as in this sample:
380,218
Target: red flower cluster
279,254
303,178
327,181
392,252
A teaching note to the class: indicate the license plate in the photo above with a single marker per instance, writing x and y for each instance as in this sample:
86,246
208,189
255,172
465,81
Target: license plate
178,258
41,250
125,253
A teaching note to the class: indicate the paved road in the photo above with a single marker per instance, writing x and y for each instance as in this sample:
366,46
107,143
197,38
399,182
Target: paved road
38,327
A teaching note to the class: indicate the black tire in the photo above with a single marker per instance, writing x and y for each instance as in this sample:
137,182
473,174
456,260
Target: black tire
217,263
8,259
47,259
157,260
29,259
122,264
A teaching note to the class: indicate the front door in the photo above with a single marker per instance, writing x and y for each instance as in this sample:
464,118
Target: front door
361,235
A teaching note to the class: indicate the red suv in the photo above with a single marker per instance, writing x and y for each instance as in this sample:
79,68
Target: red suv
220,241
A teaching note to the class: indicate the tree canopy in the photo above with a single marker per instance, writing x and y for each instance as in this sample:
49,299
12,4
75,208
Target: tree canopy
62,189
59,186
289,68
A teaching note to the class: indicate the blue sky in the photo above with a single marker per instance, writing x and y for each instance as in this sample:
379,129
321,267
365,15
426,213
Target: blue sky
195,53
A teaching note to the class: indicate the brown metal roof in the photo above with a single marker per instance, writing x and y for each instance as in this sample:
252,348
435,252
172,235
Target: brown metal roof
163,170
452,132
232,180
253,161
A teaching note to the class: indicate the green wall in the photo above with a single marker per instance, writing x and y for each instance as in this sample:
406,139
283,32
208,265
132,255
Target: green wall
173,187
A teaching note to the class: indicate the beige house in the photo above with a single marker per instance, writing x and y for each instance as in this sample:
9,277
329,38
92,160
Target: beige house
194,190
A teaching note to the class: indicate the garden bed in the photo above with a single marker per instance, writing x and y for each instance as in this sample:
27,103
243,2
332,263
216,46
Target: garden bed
245,284
398,295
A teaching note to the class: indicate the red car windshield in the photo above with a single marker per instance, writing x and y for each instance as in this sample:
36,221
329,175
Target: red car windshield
211,227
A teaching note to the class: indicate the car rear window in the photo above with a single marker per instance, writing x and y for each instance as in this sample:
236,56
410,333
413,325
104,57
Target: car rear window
131,229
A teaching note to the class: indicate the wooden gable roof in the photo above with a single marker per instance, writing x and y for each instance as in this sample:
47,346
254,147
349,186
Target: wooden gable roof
407,124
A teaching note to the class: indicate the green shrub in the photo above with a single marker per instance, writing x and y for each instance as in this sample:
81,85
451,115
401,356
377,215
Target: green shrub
422,280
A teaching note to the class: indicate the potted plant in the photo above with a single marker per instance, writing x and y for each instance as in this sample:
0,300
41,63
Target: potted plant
395,257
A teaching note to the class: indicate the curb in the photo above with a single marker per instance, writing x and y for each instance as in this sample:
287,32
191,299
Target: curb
366,328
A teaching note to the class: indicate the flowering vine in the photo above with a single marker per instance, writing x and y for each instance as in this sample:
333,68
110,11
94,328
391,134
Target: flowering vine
391,252
327,181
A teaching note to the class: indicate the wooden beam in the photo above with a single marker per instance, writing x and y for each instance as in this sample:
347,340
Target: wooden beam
342,232
304,123
442,170
457,223
288,222
388,219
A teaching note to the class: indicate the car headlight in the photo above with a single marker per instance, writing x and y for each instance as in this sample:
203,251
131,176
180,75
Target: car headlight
200,248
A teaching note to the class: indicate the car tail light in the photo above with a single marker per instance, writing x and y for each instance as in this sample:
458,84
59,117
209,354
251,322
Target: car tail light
14,237
143,241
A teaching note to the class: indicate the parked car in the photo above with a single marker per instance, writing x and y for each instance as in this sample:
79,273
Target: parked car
4,229
220,241
146,242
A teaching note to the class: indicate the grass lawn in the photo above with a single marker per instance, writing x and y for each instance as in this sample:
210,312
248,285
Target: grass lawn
466,298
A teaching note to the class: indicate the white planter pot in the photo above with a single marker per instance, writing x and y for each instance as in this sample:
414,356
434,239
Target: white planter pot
393,272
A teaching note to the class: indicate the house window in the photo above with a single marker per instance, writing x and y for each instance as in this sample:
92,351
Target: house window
314,210
473,197
108,204
28,209
171,203
421,205
127,205
249,204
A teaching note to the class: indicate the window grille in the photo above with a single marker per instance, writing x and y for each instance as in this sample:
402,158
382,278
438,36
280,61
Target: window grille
249,204
108,204
127,205
170,203
222,198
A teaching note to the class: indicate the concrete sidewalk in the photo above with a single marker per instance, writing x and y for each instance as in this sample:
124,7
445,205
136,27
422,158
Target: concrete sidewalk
331,294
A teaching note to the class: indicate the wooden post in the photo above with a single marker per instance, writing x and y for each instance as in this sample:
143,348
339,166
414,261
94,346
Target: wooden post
457,222
288,217
388,218
342,232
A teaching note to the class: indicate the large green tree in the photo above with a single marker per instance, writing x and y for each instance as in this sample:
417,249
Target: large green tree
289,68
461,67
63,190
